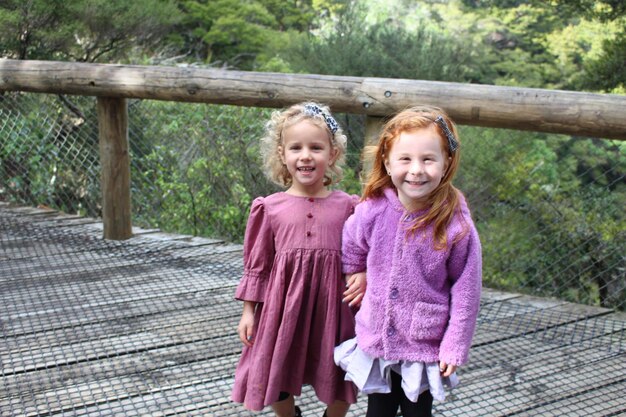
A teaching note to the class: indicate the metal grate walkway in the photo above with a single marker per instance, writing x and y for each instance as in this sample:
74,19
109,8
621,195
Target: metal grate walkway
147,327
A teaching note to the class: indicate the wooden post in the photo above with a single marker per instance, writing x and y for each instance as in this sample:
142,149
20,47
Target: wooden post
373,126
115,167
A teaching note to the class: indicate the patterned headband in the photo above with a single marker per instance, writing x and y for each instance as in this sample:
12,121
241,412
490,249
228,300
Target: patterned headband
453,144
314,110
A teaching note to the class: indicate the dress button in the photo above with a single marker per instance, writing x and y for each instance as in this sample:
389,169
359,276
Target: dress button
391,331
393,294
308,234
311,199
310,215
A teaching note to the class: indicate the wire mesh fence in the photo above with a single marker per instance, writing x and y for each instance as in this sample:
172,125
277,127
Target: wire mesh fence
549,208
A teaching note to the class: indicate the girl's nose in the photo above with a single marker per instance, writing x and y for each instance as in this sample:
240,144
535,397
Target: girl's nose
415,168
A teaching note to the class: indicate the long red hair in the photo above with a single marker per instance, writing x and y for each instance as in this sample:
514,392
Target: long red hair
444,201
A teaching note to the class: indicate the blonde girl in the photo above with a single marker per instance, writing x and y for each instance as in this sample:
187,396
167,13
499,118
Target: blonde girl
292,284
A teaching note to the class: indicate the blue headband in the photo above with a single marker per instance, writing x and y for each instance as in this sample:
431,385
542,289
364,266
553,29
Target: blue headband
314,110
453,144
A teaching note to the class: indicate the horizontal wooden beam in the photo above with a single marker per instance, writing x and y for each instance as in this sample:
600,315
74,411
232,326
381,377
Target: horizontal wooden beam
553,111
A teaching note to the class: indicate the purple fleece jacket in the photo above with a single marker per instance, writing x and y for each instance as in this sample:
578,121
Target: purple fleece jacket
420,303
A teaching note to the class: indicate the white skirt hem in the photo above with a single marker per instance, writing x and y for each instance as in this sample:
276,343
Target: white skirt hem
373,375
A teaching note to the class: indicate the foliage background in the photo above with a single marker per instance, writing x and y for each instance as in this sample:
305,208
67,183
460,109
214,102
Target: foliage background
549,207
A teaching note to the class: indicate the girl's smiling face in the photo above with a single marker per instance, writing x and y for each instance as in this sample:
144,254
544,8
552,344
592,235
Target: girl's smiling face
416,163
307,153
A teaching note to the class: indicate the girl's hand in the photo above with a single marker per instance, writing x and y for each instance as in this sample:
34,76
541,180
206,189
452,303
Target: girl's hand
446,369
356,285
245,329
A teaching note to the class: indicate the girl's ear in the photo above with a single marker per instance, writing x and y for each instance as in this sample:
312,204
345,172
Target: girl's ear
281,154
386,162
334,153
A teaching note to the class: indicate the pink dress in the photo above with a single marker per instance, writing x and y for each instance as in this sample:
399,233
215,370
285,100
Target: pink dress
292,266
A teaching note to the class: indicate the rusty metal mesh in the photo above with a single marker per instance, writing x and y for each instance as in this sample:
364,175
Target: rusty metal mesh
92,327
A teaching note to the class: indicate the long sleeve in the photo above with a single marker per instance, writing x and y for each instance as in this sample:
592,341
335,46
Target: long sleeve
354,246
258,254
465,271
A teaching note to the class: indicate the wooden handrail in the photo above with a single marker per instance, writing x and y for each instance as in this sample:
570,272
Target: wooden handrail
553,111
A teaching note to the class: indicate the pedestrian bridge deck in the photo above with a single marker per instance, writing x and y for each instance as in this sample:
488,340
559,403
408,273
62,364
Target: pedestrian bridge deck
146,326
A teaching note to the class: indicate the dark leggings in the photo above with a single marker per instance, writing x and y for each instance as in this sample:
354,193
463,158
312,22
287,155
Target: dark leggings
386,405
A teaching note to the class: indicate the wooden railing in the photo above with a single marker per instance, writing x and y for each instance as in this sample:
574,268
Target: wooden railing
552,111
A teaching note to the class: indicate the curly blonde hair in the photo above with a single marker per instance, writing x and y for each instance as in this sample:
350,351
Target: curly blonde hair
275,170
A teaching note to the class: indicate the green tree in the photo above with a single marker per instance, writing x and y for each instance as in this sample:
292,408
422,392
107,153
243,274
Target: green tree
83,30
381,49
230,32
199,168
233,33
608,70
564,44
549,210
